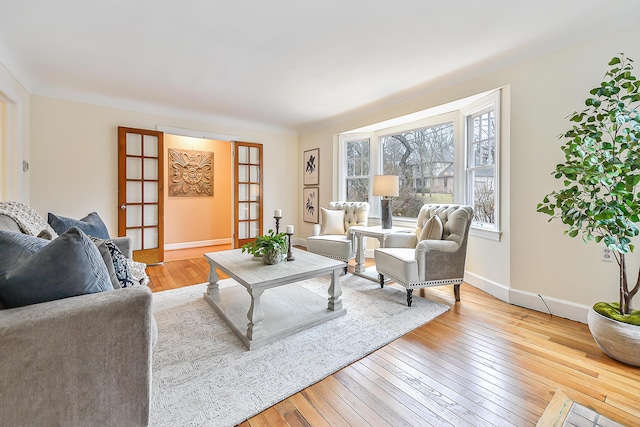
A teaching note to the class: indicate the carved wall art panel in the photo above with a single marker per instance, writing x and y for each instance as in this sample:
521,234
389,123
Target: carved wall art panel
190,173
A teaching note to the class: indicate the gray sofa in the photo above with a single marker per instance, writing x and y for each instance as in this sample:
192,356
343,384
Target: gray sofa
79,361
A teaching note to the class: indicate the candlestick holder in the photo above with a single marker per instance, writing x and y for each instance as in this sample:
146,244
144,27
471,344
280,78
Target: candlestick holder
290,256
277,218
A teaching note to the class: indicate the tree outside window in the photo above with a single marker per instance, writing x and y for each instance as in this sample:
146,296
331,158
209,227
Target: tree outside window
481,170
357,179
423,160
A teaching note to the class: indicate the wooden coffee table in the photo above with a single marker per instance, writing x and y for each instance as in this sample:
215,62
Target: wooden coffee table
259,319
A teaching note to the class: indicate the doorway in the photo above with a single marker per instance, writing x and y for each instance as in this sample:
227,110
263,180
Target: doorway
198,221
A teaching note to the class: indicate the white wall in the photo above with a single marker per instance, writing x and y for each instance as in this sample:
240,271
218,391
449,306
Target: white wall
14,139
533,256
74,159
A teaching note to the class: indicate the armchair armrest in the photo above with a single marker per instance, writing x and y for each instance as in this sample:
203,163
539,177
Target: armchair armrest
401,239
124,244
84,360
439,259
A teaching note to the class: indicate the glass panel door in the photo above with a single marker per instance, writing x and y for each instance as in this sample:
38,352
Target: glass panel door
140,192
248,187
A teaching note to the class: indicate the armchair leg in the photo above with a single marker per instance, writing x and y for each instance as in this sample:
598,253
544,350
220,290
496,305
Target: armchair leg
381,278
456,292
409,297
346,267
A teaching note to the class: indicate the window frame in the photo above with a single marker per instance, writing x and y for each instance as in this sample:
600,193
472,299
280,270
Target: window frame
479,107
458,115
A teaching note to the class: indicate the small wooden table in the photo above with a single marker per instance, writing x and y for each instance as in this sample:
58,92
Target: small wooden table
284,310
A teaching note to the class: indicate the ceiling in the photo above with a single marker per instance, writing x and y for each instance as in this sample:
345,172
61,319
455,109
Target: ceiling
290,65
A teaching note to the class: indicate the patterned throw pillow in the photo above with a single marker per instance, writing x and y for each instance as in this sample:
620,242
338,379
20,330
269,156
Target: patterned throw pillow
120,265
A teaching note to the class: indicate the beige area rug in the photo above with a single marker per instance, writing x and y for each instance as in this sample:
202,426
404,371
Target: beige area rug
204,376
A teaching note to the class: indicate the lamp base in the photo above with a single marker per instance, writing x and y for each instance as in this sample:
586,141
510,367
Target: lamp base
387,221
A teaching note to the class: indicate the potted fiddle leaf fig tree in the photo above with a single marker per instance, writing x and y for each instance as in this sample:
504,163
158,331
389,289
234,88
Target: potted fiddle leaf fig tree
272,247
600,197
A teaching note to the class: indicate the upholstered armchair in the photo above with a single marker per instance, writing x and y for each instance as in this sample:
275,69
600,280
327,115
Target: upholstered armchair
332,237
432,256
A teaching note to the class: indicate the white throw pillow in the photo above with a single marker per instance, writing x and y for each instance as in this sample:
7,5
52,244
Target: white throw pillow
332,221
432,229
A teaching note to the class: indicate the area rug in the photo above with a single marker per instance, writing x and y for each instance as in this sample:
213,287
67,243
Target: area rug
204,376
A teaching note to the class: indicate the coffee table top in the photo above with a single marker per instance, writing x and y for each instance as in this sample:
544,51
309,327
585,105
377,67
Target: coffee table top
253,273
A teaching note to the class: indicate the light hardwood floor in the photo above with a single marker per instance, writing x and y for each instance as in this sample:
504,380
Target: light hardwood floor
484,363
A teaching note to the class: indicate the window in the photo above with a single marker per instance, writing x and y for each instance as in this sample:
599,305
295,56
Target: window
447,154
423,160
357,177
482,146
481,170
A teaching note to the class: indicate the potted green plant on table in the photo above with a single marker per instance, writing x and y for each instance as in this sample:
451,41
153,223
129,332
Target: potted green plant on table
272,247
600,200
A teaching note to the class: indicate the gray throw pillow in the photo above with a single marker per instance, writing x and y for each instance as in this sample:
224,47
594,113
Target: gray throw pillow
91,224
68,266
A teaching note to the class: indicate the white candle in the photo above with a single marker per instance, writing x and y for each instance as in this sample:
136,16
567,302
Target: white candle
277,213
289,229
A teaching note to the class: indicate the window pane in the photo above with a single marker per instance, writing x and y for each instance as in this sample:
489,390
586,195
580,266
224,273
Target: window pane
357,179
423,159
483,140
357,189
483,187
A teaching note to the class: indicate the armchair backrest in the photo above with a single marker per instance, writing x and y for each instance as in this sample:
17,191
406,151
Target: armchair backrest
456,220
355,213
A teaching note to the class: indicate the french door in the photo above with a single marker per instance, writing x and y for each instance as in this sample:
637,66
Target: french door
248,191
140,192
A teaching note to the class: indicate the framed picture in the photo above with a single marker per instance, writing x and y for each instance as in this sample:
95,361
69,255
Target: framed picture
310,208
312,167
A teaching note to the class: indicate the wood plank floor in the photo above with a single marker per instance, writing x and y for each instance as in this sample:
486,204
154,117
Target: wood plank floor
482,363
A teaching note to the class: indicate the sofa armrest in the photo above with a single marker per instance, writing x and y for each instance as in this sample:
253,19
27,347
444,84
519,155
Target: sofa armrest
124,244
316,230
84,360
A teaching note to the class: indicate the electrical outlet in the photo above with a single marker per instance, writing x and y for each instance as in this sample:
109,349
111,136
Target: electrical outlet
607,255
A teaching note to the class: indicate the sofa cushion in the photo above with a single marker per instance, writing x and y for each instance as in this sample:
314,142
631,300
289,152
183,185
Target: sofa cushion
432,229
33,272
91,224
332,221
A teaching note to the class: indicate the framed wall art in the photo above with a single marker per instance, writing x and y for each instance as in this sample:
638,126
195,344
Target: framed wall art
310,209
190,173
311,167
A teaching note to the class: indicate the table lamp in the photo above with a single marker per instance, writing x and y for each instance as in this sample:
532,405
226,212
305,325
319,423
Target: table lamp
387,187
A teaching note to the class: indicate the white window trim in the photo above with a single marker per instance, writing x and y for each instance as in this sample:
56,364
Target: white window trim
492,100
342,159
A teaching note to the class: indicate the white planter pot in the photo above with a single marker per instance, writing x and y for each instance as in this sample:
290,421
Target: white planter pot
620,341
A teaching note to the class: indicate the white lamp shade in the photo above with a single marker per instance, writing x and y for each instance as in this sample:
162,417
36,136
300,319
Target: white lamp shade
386,185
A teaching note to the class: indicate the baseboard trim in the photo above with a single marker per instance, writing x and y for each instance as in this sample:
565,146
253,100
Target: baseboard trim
197,244
557,307
489,286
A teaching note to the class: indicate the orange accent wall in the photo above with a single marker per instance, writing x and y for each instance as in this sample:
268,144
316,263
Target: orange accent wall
197,219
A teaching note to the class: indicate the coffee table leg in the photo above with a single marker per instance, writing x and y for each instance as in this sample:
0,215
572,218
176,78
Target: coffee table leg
212,288
335,291
255,314
359,254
